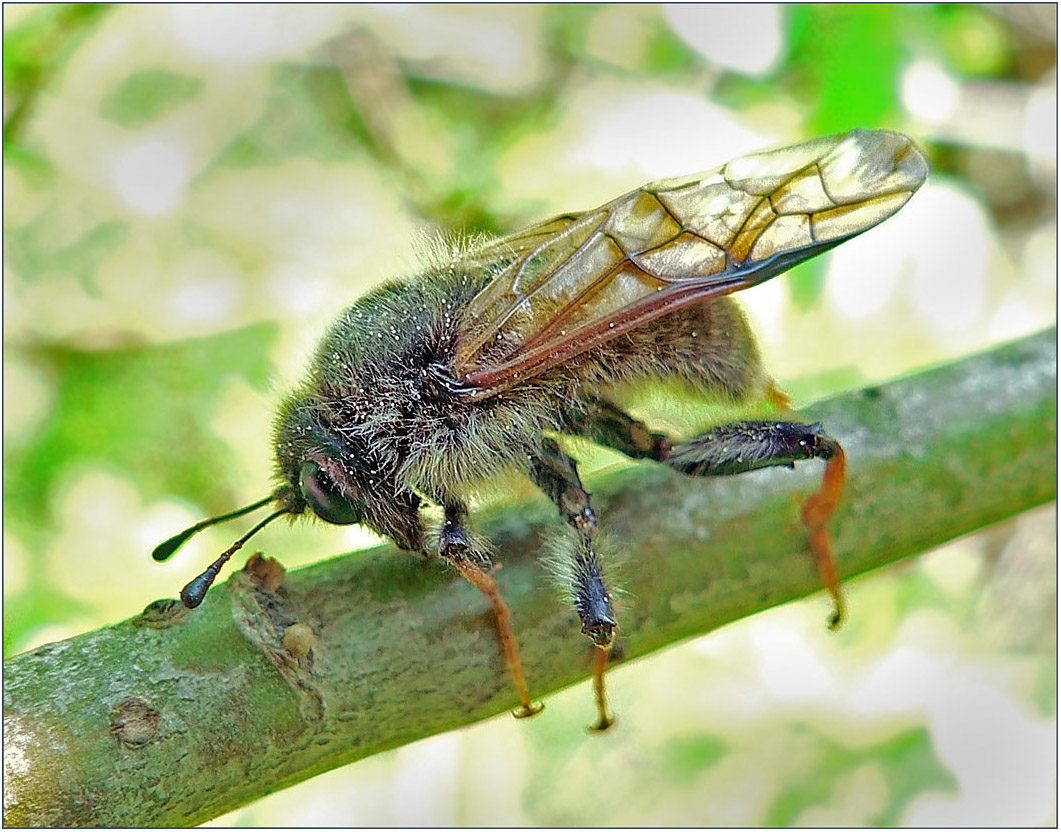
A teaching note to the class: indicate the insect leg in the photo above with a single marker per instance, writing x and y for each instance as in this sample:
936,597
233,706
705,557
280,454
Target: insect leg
455,545
555,473
608,425
733,449
746,446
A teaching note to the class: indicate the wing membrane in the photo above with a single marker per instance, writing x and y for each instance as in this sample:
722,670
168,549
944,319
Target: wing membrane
579,280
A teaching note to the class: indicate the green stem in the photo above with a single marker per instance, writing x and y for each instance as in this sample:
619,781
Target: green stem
177,717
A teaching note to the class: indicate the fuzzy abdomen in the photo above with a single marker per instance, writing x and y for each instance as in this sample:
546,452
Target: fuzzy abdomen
709,347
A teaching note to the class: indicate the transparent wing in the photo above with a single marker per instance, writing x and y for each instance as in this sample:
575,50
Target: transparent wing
578,280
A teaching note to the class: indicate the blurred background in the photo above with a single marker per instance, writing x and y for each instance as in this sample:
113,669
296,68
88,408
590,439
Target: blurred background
193,192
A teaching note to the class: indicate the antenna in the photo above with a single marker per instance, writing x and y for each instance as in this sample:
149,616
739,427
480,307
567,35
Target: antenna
164,551
192,595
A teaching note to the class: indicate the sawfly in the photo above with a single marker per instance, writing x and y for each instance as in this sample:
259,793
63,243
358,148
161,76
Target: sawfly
428,386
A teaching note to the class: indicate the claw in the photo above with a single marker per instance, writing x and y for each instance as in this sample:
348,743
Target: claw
529,710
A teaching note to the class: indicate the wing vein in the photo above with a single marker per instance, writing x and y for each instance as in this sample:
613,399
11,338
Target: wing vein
572,283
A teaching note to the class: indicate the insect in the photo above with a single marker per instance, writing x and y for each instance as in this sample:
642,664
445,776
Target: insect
426,387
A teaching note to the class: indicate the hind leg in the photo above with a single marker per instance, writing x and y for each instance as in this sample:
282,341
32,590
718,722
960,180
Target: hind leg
733,449
711,347
747,446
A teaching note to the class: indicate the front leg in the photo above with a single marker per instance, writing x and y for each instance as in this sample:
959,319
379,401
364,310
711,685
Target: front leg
733,449
554,472
455,545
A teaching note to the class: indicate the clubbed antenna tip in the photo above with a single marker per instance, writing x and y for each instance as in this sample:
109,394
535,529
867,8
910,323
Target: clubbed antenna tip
166,550
193,593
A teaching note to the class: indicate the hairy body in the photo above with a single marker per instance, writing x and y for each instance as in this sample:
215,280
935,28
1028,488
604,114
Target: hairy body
425,389
376,394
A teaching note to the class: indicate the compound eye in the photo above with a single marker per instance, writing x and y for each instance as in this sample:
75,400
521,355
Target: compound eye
323,496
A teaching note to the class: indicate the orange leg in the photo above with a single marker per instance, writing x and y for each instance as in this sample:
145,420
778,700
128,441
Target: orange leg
819,508
487,584
752,444
817,511
600,664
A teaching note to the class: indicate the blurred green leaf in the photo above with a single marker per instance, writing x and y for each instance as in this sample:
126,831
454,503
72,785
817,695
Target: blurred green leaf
566,26
307,113
147,95
683,759
811,386
975,41
907,762
40,605
806,282
667,54
33,255
127,407
741,92
123,408
845,62
912,768
36,49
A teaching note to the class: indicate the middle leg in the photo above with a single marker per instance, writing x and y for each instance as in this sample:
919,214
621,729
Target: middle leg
554,472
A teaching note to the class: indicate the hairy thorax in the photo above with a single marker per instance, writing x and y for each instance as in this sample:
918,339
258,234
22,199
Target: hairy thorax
376,386
377,391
